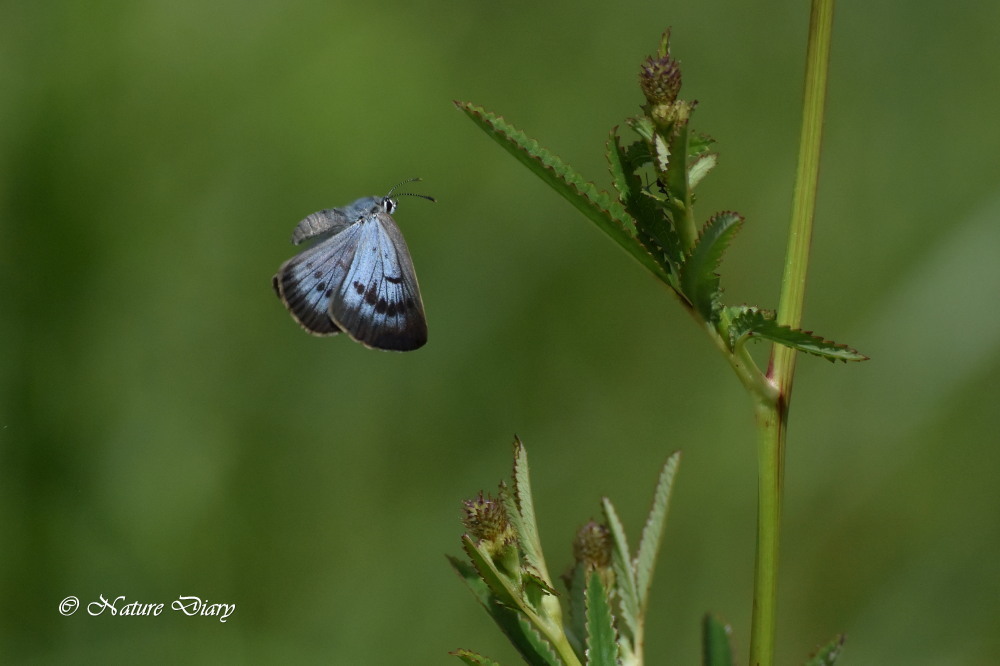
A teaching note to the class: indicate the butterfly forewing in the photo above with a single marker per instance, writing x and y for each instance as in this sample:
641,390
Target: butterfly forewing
308,282
379,302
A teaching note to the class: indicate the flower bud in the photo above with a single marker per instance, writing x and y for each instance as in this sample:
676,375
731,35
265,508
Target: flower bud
660,79
487,522
592,546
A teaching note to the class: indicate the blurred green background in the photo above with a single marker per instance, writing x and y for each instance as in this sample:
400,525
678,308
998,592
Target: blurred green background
167,429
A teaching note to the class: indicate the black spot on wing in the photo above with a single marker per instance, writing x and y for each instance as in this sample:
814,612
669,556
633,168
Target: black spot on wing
308,282
379,302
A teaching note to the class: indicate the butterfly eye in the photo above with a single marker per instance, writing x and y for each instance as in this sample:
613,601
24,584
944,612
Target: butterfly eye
389,205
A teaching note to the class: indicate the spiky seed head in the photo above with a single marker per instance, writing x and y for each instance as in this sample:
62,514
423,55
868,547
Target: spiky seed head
487,522
660,79
592,546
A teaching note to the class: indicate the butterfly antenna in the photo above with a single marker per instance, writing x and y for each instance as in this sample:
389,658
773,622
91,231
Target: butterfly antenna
409,194
408,180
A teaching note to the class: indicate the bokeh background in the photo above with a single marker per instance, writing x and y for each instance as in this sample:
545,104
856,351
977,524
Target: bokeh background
167,430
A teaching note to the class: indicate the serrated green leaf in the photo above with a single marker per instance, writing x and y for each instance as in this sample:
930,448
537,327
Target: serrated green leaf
495,593
743,319
536,589
535,577
602,648
621,562
524,515
752,322
598,206
827,656
505,616
643,126
677,174
472,579
542,651
665,247
577,585
715,642
652,532
621,169
698,143
501,586
661,153
700,168
637,155
473,658
699,281
652,227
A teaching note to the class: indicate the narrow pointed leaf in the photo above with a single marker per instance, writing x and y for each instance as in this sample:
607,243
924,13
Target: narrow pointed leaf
652,532
577,586
472,579
827,656
505,616
541,648
715,642
757,323
619,167
524,516
536,591
698,278
533,577
505,605
621,561
677,173
602,648
598,206
501,587
474,659
806,341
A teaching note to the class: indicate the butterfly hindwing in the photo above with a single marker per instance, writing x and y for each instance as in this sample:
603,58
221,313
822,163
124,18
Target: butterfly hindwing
309,281
379,302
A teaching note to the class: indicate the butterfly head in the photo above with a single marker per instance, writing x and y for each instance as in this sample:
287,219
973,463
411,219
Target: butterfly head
389,204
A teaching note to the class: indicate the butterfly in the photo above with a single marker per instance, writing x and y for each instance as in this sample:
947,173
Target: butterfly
358,277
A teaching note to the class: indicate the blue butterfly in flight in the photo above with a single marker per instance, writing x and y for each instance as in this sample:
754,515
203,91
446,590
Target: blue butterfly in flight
358,276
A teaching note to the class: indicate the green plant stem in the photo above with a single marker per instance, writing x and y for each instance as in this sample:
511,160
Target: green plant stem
772,415
770,462
793,282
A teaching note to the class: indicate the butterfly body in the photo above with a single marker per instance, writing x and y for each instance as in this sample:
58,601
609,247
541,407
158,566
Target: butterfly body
358,277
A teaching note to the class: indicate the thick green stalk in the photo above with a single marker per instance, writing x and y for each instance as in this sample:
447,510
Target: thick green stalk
772,415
